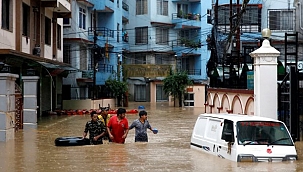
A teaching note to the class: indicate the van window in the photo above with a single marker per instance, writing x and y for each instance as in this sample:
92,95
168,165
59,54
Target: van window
228,131
213,129
263,132
200,127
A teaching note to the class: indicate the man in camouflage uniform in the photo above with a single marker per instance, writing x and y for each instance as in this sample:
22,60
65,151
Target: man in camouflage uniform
104,117
95,128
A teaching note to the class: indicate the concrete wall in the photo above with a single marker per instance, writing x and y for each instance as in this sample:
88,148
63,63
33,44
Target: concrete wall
199,96
220,100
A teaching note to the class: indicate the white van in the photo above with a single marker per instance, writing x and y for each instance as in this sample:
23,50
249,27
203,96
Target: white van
243,138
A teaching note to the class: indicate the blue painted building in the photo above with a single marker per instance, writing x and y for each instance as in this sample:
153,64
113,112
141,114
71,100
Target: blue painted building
93,42
165,33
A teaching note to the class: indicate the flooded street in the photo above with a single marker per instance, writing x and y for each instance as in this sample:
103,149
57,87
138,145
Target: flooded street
34,150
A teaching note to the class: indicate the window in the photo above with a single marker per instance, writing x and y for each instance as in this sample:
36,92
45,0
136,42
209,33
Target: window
281,20
189,36
228,131
189,100
251,16
118,34
140,58
141,35
66,22
141,7
164,59
82,18
25,21
162,7
140,93
160,93
48,28
6,15
59,36
66,54
182,9
162,36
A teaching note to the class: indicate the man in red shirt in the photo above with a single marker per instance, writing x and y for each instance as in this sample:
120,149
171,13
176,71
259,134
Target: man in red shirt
117,127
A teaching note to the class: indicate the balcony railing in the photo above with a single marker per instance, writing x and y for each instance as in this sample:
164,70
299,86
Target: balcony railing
193,71
188,16
101,31
88,74
105,68
124,6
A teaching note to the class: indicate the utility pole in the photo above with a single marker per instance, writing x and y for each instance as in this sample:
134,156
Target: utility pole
118,66
94,54
238,38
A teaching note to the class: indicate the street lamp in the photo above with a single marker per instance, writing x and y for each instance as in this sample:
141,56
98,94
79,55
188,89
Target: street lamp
30,72
5,68
266,33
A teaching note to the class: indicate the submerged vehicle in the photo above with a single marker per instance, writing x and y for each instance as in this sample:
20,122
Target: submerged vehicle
243,138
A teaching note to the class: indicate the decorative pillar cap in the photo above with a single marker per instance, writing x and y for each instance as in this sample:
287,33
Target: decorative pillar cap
266,33
266,49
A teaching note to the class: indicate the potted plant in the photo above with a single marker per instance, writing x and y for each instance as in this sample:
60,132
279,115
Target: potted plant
179,14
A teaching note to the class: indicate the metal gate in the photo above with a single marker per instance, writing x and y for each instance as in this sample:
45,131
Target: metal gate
18,107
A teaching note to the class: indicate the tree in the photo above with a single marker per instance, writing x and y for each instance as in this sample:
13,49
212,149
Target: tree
116,88
175,84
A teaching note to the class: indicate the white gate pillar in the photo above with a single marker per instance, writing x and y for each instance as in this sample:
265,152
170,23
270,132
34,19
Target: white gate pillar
7,106
30,99
265,78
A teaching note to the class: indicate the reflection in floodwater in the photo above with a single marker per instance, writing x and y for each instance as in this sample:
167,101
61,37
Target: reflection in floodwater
34,150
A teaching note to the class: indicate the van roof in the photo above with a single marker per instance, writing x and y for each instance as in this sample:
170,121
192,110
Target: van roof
239,117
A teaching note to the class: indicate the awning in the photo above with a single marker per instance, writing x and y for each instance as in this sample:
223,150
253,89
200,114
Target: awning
20,59
57,66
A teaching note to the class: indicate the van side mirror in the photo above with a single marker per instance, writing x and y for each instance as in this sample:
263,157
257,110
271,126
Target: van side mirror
228,136
294,138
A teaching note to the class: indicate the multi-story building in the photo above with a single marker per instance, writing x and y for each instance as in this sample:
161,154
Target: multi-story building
164,35
94,38
77,51
231,47
31,39
110,40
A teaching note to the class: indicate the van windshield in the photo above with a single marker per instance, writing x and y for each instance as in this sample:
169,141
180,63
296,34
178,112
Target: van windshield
262,133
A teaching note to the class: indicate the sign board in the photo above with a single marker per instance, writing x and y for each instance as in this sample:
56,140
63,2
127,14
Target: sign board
250,80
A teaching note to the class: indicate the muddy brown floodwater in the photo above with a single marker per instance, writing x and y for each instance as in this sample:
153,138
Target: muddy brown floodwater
33,148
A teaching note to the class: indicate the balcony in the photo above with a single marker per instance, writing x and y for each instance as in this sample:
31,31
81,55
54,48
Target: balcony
192,46
145,70
193,71
105,68
125,12
186,21
125,6
88,74
101,31
103,35
61,7
85,3
104,6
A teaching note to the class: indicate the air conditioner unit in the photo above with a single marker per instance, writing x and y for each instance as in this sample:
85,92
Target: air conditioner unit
36,51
